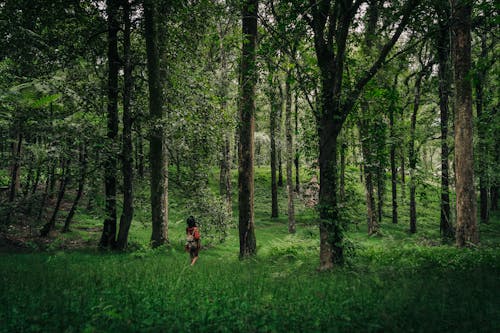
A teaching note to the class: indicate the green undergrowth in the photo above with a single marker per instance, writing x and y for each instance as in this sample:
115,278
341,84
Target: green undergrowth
409,289
391,282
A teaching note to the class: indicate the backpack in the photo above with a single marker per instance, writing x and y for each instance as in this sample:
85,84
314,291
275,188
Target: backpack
191,242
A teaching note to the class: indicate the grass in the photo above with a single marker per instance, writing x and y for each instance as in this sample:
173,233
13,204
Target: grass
393,282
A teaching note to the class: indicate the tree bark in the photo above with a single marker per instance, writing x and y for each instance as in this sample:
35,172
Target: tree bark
289,155
247,128
272,126
157,155
394,172
297,152
412,153
466,229
443,50
110,164
127,153
368,172
81,185
278,135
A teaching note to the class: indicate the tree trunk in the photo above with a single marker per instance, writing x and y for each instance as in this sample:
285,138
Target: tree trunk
394,172
157,155
127,153
273,125
247,128
49,226
466,230
443,45
289,155
368,171
81,185
109,229
412,153
331,233
297,152
278,135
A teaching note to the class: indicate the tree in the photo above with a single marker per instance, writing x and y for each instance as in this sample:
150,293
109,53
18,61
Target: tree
289,152
248,80
274,110
331,22
127,162
157,147
443,50
109,230
466,228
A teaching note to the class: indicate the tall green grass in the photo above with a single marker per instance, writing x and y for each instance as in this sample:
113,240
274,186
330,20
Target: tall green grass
393,282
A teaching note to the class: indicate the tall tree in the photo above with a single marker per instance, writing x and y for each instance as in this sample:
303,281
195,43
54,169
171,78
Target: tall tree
444,74
157,149
109,230
248,80
466,229
289,153
331,21
274,105
127,162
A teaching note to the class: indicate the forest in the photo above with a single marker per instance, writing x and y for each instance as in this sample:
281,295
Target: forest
340,158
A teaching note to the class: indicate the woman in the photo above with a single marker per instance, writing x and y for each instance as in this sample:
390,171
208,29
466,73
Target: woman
193,243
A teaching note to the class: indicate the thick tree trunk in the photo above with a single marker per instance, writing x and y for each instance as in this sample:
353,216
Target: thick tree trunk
157,155
49,226
81,185
109,229
248,246
466,230
127,153
289,155
443,45
331,233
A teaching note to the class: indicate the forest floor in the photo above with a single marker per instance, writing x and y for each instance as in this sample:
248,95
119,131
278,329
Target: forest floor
391,282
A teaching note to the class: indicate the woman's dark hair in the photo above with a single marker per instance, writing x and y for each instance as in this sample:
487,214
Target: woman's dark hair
191,221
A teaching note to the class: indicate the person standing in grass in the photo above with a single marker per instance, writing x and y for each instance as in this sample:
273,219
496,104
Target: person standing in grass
193,238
